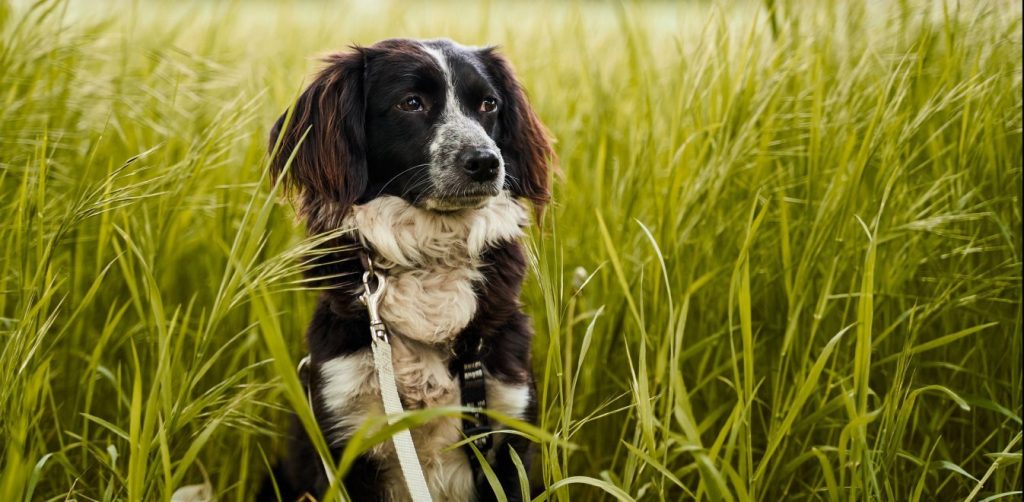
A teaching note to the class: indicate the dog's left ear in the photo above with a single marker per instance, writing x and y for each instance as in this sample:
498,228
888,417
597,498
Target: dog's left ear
522,138
321,144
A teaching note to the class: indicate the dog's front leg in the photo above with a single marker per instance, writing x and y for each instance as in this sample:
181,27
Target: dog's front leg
363,480
505,468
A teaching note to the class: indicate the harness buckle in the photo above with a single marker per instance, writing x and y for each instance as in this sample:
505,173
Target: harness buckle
480,426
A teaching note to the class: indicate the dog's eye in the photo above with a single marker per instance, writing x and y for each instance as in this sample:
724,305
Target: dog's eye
411,104
489,104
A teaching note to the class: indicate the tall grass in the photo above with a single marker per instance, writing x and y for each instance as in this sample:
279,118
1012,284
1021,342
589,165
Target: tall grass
784,259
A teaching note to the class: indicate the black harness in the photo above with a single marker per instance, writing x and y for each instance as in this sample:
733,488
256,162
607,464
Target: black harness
474,395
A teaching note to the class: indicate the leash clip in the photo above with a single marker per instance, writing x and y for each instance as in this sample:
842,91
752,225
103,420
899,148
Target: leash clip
371,298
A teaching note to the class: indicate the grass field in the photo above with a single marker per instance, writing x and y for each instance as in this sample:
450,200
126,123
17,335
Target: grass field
784,261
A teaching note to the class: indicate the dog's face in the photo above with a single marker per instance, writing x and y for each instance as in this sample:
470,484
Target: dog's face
432,125
444,126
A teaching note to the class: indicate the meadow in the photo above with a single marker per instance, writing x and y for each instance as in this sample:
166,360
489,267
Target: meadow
783,261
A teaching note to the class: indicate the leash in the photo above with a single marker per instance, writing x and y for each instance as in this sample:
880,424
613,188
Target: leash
412,471
385,370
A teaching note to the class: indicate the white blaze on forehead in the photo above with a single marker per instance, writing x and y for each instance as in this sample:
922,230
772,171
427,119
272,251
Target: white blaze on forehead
442,61
451,102
455,128
450,99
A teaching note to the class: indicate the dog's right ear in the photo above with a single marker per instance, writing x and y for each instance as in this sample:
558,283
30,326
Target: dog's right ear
321,141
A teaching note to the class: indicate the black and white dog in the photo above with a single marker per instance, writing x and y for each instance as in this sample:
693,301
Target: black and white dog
428,150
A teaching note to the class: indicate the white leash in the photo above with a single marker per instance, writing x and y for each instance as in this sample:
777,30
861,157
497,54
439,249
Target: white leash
404,447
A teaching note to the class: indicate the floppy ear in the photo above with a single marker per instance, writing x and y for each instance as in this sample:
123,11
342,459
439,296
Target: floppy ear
523,141
325,134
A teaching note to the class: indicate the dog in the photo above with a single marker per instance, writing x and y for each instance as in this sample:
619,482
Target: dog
431,154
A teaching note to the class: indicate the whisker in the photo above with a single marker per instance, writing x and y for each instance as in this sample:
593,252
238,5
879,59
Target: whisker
417,183
393,178
513,182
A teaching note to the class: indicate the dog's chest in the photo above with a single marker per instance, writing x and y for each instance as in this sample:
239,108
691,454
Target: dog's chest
431,304
431,261
432,265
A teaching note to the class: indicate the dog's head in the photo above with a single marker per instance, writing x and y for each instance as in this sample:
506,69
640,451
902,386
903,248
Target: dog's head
443,126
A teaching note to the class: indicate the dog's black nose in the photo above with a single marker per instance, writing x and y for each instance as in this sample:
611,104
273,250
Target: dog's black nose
480,164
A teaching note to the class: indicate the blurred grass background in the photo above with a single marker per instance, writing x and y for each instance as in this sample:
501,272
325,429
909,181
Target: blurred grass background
784,261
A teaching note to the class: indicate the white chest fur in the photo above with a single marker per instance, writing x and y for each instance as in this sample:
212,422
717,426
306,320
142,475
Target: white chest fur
431,262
